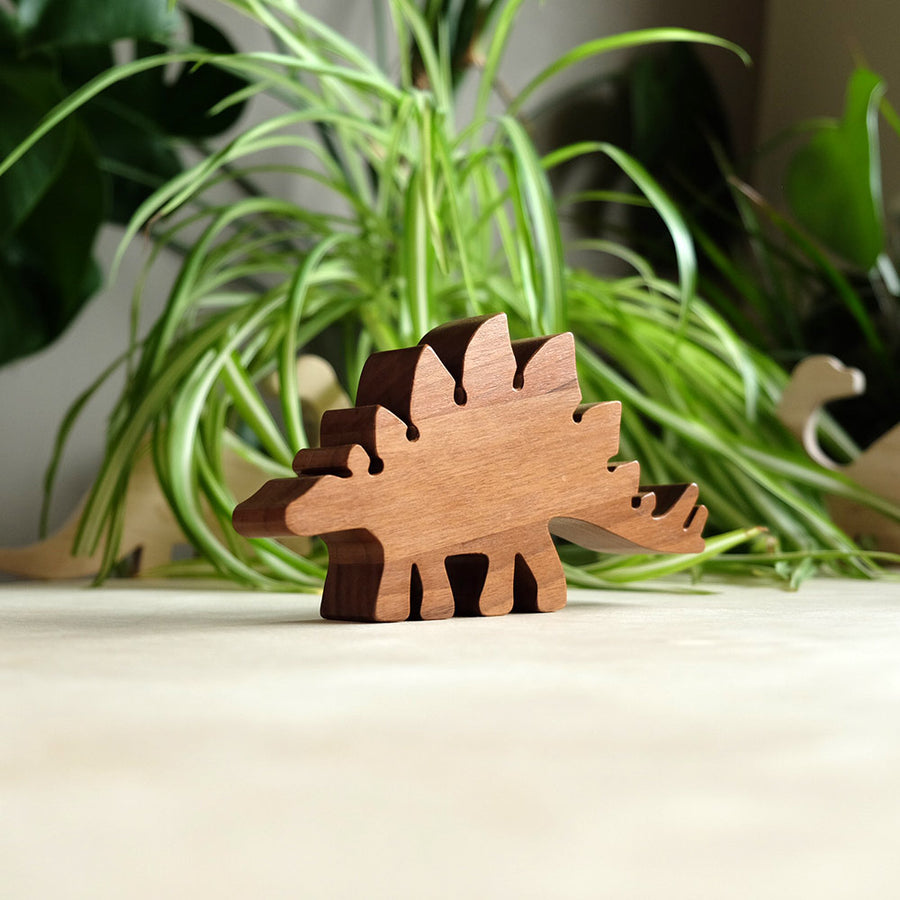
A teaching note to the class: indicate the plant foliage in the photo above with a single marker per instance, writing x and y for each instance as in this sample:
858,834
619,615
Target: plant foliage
101,162
817,280
424,218
822,280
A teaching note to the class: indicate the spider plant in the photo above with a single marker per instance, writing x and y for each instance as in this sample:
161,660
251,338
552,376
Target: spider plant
431,217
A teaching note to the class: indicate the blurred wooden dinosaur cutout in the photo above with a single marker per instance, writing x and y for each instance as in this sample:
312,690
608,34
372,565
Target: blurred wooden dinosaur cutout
438,492
150,527
814,382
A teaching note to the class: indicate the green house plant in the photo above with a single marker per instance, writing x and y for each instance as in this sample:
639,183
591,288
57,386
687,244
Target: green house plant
818,277
103,161
845,247
433,218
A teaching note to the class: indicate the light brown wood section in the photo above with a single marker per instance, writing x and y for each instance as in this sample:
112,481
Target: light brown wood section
814,382
151,534
437,493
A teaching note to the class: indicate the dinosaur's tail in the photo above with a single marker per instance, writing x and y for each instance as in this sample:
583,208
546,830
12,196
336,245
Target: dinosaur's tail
657,519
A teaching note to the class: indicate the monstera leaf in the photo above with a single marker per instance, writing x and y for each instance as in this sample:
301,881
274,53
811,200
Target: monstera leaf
100,164
834,182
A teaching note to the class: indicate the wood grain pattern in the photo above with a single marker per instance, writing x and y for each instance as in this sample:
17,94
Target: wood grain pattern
437,493
814,382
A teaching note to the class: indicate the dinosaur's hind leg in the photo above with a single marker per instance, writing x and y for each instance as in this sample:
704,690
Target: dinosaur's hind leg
539,583
482,582
496,597
523,574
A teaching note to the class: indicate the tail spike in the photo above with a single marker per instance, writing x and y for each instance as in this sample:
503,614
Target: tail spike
696,520
669,497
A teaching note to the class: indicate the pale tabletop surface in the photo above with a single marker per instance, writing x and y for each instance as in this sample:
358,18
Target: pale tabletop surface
164,742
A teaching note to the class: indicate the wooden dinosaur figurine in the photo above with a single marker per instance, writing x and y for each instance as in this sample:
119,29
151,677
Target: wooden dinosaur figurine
435,493
814,382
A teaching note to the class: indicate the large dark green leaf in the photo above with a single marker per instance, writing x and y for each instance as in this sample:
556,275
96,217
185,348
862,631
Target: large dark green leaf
9,31
133,123
676,115
60,23
134,156
22,328
834,182
54,199
64,225
78,65
28,91
29,315
678,126
46,267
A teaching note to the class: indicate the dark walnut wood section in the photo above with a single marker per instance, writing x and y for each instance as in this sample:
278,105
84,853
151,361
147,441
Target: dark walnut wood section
438,492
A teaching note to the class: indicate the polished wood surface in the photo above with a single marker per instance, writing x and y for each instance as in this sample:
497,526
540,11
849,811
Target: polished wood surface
437,494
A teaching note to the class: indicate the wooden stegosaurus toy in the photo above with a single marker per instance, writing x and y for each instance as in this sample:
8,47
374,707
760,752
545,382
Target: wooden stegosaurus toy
437,494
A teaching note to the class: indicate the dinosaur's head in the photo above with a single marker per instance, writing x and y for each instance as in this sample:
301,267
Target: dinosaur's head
317,502
828,378
814,382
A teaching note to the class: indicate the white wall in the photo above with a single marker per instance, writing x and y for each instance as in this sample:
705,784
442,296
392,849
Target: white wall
35,392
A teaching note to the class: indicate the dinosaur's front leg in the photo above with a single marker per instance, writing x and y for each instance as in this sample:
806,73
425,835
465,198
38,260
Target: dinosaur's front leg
366,592
364,584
